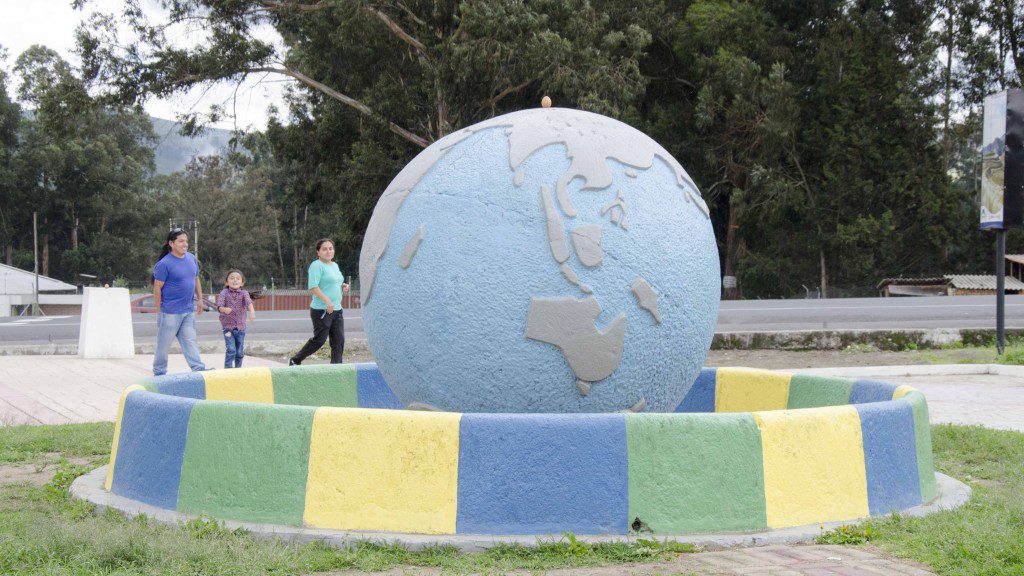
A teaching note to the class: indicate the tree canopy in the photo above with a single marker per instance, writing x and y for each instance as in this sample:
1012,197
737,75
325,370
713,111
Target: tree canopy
835,141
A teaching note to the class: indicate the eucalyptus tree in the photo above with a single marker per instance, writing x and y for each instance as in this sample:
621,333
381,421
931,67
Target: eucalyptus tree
374,82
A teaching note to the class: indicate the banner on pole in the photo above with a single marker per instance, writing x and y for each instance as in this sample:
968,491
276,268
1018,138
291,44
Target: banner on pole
1002,173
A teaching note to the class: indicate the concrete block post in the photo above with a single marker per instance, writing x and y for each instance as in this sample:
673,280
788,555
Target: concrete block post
106,330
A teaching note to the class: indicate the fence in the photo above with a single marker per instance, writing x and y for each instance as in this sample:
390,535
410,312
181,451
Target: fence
274,299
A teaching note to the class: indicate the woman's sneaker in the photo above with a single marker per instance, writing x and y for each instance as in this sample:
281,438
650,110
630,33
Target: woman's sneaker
292,362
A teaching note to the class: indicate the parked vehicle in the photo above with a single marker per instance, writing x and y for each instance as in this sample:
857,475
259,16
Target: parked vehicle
143,304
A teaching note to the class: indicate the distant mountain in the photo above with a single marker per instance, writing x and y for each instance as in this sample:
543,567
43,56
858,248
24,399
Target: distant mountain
174,151
996,147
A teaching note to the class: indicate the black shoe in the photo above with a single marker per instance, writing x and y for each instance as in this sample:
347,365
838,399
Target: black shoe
293,362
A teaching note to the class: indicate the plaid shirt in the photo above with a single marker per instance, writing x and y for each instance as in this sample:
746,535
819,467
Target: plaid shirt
238,301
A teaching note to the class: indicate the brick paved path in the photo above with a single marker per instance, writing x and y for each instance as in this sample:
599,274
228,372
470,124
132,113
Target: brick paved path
802,560
69,389
767,561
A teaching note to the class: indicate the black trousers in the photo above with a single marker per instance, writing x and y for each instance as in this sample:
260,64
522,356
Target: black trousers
325,326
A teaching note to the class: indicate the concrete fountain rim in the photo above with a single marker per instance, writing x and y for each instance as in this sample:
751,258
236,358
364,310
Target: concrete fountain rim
952,494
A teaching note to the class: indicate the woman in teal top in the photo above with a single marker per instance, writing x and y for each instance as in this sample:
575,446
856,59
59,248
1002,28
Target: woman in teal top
326,284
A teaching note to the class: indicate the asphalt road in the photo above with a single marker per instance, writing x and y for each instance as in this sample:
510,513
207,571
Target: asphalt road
734,316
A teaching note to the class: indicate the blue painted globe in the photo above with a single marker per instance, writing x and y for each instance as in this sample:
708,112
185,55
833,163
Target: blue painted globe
548,260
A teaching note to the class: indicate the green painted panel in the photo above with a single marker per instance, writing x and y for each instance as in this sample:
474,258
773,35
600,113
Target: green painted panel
807,391
246,461
695,472
923,440
316,385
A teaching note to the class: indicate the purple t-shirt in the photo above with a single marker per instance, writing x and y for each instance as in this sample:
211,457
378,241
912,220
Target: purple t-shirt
238,301
179,278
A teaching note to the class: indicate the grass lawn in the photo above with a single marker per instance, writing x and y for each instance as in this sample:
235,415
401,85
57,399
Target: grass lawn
43,532
987,535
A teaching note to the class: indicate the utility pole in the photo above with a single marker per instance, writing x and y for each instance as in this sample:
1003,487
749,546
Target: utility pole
36,311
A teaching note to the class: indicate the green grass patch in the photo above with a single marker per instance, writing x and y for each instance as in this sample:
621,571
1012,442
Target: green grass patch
42,531
28,443
985,537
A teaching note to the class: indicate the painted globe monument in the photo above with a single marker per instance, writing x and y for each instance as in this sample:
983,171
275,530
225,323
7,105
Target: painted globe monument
544,261
547,260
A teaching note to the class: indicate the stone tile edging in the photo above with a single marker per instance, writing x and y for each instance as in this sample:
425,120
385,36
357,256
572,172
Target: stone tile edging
917,370
89,487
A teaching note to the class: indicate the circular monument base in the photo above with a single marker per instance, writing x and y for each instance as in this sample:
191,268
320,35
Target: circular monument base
951,494
329,447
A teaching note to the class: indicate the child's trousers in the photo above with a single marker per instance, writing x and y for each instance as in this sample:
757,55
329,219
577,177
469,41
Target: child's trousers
234,348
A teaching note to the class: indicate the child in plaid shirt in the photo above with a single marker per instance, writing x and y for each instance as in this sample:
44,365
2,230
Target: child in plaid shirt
232,303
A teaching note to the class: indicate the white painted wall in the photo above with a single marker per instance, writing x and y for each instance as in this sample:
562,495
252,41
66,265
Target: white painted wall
106,330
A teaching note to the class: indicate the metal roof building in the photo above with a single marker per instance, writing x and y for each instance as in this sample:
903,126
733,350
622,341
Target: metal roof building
17,281
948,285
17,290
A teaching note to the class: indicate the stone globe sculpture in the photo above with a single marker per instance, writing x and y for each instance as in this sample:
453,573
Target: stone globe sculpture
547,260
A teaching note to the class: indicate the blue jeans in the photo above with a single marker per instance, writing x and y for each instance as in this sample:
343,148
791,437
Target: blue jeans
234,347
182,327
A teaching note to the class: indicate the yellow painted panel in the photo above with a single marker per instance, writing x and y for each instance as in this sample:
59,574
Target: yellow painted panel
385,470
902,391
117,434
813,465
240,385
747,390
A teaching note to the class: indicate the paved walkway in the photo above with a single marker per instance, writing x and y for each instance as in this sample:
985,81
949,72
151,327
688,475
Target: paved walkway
765,561
69,389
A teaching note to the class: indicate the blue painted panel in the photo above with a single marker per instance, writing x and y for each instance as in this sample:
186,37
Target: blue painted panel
151,448
183,384
701,397
372,390
871,391
542,474
890,456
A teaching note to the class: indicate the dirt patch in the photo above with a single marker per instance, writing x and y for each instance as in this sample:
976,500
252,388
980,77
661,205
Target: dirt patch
36,473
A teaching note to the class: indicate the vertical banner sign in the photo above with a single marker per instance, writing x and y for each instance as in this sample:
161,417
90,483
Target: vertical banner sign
1002,149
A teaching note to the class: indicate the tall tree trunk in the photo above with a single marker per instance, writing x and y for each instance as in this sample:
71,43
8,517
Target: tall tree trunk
295,244
46,255
946,140
730,282
1002,43
277,234
74,231
1009,16
10,254
824,275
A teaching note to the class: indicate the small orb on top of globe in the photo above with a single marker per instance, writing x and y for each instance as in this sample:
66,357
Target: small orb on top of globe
547,260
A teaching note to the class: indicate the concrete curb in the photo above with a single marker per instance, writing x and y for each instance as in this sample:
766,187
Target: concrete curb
915,370
253,347
825,339
89,487
786,340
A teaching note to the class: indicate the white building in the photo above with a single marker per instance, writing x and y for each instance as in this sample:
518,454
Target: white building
17,288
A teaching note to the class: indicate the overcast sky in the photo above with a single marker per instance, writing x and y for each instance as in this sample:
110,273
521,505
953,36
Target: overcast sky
53,22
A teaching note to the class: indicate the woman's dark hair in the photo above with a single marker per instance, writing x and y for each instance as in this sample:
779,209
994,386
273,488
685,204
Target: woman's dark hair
321,242
234,271
166,249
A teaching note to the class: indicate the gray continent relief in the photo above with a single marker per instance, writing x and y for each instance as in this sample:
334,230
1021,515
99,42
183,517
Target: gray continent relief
569,324
556,232
586,241
590,141
411,247
647,298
